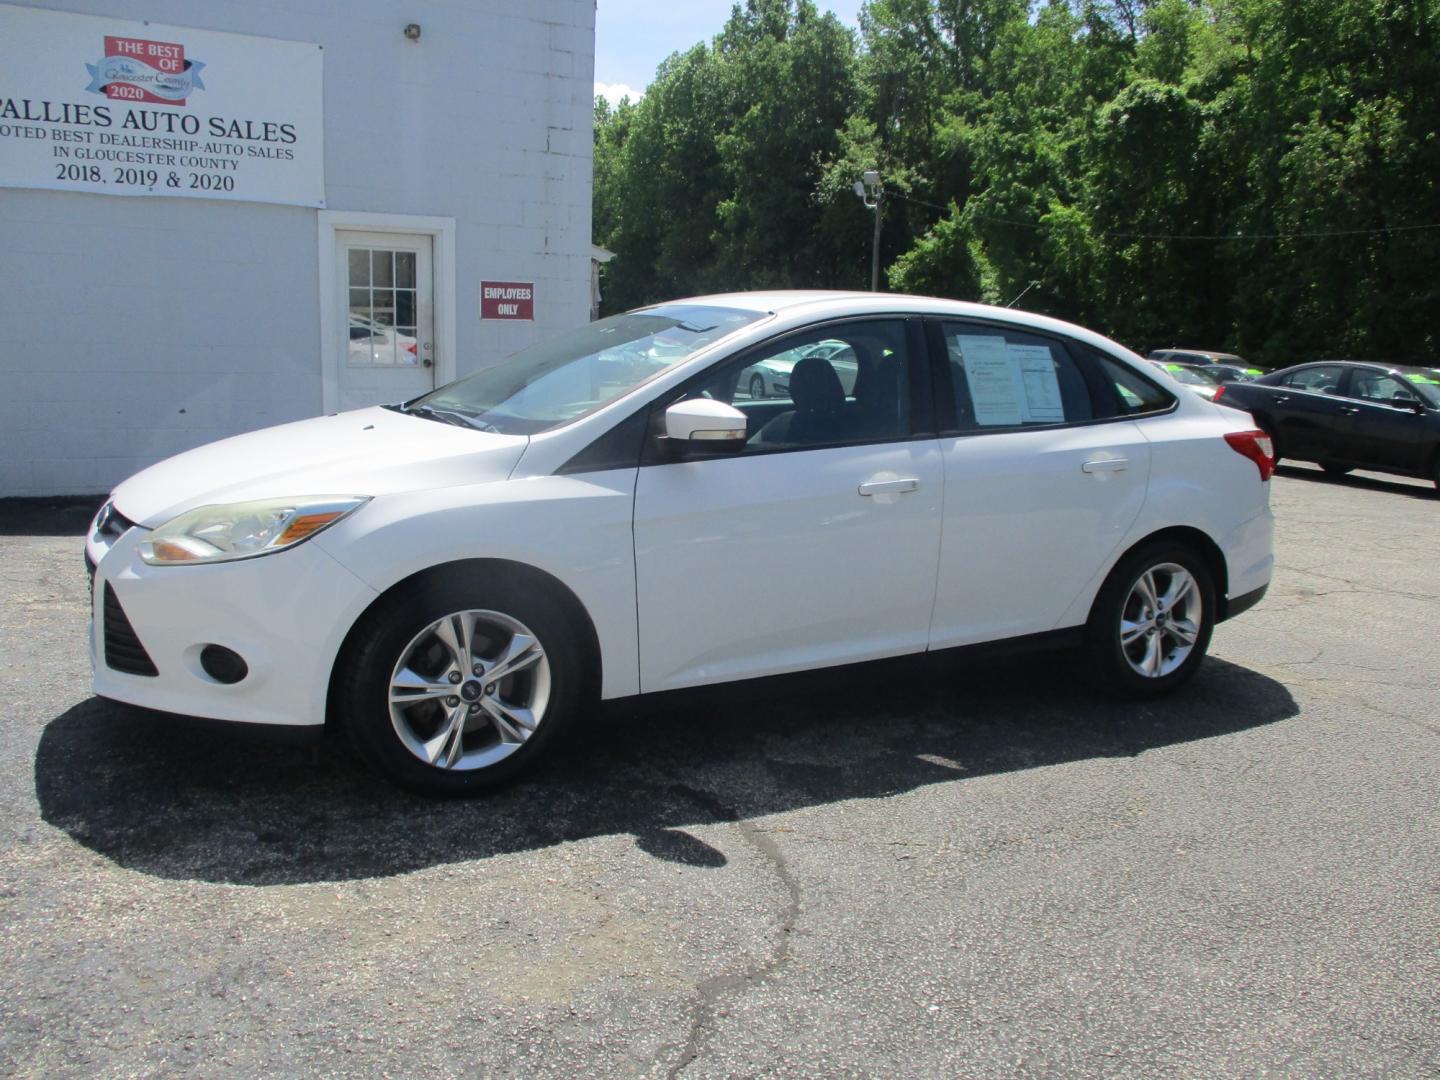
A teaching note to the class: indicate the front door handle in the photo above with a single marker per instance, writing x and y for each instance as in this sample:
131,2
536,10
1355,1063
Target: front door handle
888,487
1102,465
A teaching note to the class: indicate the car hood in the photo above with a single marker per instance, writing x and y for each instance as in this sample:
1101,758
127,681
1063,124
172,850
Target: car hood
372,451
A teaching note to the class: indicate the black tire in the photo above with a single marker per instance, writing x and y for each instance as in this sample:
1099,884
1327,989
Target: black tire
1108,662
757,387
389,631
1435,472
1335,469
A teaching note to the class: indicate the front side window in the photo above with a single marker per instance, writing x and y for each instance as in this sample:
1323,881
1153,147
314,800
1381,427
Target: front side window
1385,389
560,380
846,383
1006,378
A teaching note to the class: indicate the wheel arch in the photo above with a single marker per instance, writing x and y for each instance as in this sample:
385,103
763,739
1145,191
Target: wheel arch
512,571
1202,543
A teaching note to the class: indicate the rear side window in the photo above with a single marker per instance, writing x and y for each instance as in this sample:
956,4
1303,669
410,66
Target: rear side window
1318,380
1134,393
1006,378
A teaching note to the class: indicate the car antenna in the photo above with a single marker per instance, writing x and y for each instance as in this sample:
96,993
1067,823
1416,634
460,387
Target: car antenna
1023,291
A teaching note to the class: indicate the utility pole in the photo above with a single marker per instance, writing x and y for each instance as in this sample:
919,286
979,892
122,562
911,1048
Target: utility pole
869,189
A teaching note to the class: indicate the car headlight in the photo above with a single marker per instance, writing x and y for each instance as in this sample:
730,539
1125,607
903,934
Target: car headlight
245,530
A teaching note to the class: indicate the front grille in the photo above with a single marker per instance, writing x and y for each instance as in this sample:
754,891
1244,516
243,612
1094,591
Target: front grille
123,650
110,524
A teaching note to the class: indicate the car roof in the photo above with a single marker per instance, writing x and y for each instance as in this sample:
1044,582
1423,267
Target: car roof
806,305
1224,357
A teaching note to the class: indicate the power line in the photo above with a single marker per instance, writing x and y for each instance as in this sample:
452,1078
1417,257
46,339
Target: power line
1202,237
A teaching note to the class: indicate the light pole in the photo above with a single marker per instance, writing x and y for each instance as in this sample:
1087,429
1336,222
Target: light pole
869,189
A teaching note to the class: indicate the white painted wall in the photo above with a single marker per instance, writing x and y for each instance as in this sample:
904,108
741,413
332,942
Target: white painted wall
132,328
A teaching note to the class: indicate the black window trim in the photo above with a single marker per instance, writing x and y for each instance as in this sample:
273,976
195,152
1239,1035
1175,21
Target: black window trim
1085,357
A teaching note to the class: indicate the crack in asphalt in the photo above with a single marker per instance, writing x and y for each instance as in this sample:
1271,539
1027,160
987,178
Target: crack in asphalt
1352,586
704,1012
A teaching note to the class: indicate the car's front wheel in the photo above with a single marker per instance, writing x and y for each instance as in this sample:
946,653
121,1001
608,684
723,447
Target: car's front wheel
757,387
1151,622
460,684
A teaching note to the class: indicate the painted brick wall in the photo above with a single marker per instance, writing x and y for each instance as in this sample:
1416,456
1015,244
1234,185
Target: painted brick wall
210,324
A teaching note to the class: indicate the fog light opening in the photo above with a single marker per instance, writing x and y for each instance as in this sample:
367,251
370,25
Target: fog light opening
223,665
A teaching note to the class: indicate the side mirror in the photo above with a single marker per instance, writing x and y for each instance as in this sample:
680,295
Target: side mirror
1409,405
700,424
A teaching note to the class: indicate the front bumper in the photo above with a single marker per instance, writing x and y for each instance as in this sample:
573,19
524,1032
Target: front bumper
286,614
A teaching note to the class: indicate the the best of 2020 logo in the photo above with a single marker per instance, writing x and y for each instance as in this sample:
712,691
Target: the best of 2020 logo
134,69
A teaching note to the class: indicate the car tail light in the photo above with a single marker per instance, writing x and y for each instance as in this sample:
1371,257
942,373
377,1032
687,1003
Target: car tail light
410,349
1219,392
1255,445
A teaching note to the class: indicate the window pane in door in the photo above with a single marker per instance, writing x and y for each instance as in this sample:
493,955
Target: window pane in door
1005,378
1373,386
359,260
382,268
405,269
845,383
404,307
1316,379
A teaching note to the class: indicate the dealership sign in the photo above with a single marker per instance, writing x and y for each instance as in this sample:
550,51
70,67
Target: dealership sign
507,300
126,108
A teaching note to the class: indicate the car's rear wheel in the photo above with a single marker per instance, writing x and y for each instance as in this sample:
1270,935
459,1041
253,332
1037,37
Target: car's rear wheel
757,387
460,684
1151,622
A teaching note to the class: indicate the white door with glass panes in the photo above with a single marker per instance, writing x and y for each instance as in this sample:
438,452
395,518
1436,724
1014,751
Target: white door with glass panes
387,303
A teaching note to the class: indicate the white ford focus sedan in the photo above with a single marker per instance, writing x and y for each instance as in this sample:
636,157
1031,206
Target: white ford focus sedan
458,579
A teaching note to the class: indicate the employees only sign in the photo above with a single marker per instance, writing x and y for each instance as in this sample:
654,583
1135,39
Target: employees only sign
126,108
507,300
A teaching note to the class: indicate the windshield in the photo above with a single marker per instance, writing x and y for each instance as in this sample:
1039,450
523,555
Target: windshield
1426,382
563,378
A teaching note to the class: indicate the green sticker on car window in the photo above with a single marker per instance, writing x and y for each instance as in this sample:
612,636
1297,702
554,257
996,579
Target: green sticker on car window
1415,376
1254,371
1174,367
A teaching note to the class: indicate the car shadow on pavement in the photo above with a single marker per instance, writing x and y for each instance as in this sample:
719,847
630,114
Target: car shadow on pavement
163,797
62,515
1368,481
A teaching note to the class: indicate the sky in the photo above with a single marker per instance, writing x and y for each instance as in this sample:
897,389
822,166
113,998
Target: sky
632,37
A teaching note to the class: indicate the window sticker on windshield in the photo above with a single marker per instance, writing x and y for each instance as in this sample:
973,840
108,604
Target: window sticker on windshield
993,393
1040,383
1416,377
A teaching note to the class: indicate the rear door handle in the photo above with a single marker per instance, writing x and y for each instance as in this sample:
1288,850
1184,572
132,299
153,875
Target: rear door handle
1282,399
888,487
1100,465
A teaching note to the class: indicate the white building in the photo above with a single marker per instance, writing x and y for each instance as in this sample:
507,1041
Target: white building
223,215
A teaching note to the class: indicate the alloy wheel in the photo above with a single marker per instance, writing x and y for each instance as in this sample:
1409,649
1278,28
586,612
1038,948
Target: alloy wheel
1161,619
469,690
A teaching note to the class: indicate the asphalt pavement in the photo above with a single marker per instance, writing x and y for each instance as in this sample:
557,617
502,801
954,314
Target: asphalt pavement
953,867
